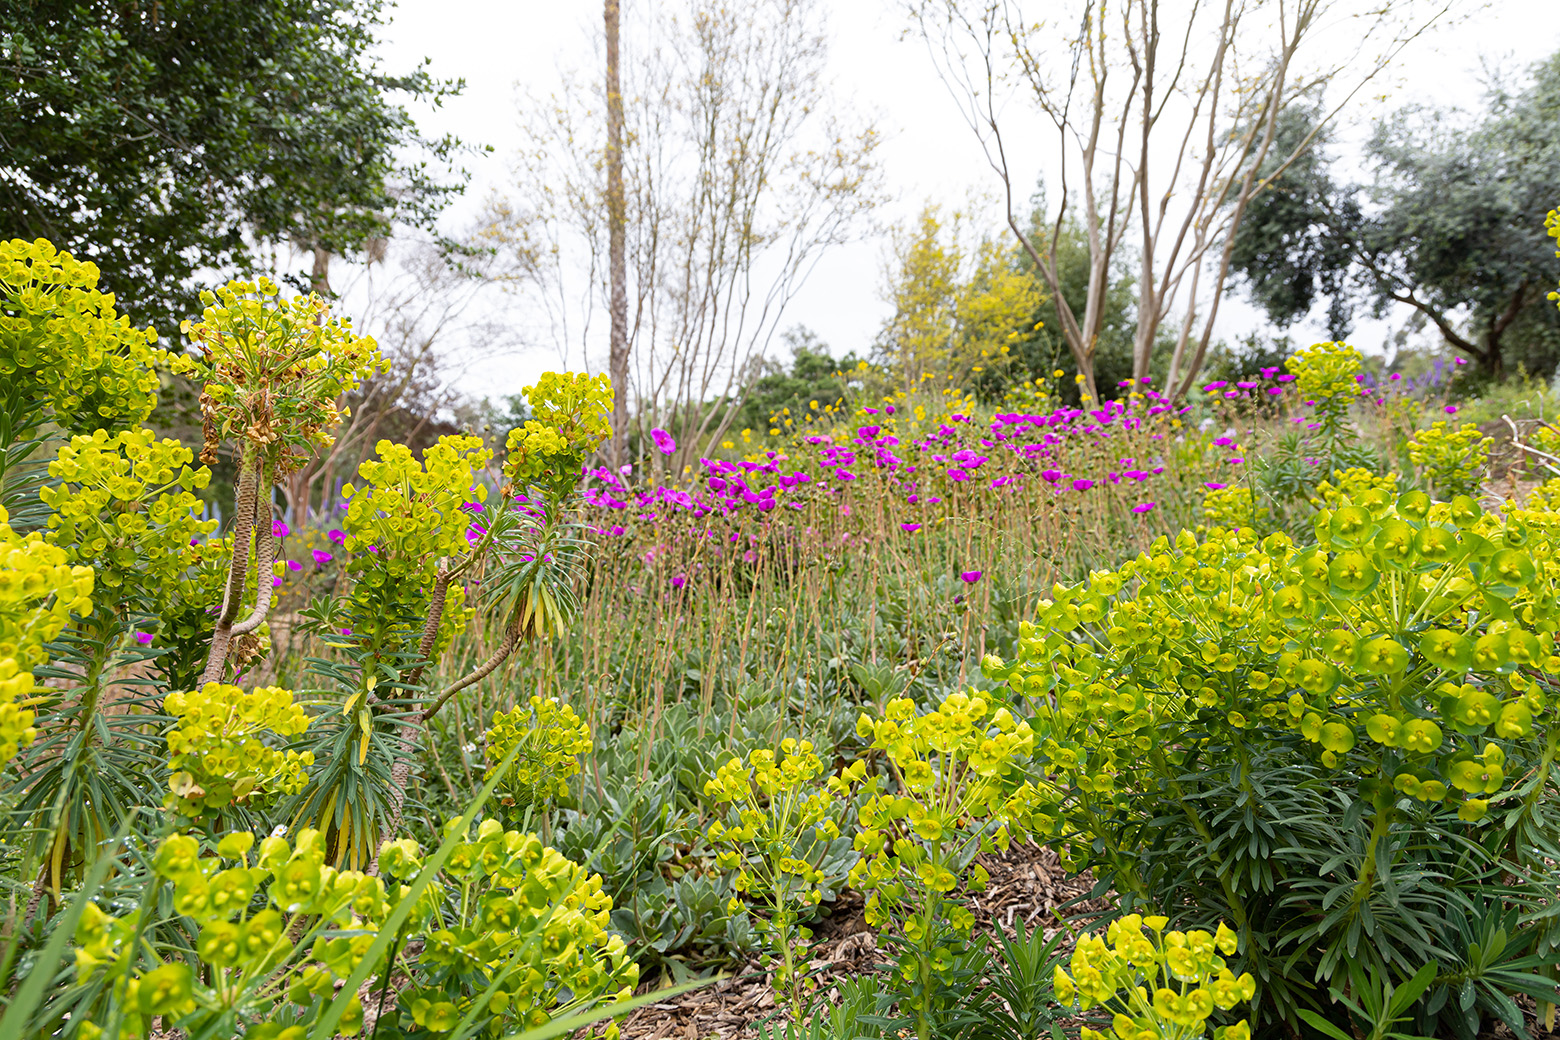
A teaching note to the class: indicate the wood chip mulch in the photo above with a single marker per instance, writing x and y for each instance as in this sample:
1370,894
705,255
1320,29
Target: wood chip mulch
1027,886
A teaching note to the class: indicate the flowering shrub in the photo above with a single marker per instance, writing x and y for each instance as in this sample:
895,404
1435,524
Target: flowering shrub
960,790
1398,675
411,516
1451,461
1160,985
516,935
273,370
63,347
572,416
124,505
249,960
781,823
39,592
551,738
215,752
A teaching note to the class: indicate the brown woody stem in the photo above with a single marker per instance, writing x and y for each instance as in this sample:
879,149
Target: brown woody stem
245,506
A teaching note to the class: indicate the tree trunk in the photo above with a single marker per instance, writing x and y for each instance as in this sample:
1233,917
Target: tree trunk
616,220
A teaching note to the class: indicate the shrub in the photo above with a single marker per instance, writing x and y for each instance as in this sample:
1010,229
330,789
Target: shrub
1347,748
783,823
1158,985
958,787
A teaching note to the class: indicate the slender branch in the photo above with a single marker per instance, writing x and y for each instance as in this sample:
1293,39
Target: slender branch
507,647
246,504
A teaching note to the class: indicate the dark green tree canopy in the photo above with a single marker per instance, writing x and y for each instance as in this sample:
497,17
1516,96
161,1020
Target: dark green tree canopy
1451,223
169,141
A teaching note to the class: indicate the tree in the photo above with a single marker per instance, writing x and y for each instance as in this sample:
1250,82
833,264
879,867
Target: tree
738,173
1164,121
617,216
1450,224
169,140
917,339
788,397
959,312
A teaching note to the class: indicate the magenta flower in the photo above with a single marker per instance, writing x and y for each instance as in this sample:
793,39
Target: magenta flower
280,529
958,474
276,583
1215,487
1451,409
1144,507
1082,484
970,577
1051,475
844,474
321,557
1459,361
338,536
346,631
144,638
679,581
1220,385
911,528
664,441
294,565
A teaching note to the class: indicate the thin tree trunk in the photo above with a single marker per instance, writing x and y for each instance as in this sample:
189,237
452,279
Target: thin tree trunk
617,218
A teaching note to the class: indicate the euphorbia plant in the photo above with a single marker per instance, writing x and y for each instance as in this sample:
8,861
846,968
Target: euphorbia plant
782,818
272,372
1157,984
1329,744
958,789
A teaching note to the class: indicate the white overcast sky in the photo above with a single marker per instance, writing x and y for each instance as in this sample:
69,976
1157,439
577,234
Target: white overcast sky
929,153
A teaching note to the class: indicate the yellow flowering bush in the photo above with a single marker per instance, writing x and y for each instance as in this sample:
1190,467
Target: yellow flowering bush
253,967
39,592
410,516
1451,461
960,789
1312,712
272,371
124,504
1326,373
781,818
1233,508
551,738
513,929
64,348
217,756
1158,985
572,416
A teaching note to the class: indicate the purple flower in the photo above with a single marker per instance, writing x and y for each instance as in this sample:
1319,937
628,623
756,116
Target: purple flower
844,474
958,474
321,557
279,529
144,638
1459,361
1082,484
276,583
664,441
294,565
346,631
1144,507
1235,461
338,536
1220,385
1051,475
1224,442
1215,487
679,581
1451,409
970,577
911,528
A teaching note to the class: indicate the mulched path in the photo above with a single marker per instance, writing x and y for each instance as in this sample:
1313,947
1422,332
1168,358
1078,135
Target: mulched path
1027,885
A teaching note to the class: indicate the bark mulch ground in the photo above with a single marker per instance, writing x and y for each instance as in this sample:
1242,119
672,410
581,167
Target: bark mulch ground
1027,886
